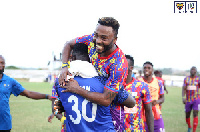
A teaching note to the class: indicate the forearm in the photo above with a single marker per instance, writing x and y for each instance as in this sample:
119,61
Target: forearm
183,92
59,116
150,121
129,102
161,99
66,50
149,117
52,105
35,95
165,88
98,98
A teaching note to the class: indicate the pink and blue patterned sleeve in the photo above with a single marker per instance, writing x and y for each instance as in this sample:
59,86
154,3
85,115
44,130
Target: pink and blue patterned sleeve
184,83
161,91
54,89
117,78
86,39
146,94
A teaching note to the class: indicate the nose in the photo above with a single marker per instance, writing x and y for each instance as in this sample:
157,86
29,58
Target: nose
98,40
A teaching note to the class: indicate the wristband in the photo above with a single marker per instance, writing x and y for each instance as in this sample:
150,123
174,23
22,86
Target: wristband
66,64
46,96
63,119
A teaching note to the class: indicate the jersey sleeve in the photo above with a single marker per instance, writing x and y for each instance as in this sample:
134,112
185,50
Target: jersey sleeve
161,88
121,96
184,82
86,39
17,88
146,95
118,73
55,89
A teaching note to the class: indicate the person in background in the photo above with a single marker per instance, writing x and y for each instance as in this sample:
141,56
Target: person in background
191,89
108,60
157,93
10,86
134,117
158,75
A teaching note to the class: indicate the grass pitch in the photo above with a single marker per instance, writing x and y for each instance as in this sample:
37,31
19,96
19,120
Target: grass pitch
31,115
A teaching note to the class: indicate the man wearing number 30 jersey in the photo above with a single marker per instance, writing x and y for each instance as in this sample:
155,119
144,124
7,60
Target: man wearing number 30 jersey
81,114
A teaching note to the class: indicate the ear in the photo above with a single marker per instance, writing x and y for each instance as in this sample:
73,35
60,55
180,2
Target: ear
115,40
131,68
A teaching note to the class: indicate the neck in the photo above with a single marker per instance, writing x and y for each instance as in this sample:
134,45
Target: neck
192,76
107,53
148,78
129,78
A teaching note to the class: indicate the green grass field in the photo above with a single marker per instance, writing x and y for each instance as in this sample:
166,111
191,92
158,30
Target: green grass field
31,115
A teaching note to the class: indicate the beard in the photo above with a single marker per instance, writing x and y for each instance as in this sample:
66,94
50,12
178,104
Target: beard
106,47
1,71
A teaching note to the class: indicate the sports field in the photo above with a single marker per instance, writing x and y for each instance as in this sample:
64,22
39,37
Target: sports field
31,115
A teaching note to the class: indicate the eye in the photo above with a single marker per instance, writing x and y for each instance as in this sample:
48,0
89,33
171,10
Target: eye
104,38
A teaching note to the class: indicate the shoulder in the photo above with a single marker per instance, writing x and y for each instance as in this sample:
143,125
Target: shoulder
140,84
143,85
187,77
159,82
119,54
101,79
119,58
8,78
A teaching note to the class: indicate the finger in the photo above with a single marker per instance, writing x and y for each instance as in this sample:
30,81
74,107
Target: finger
66,85
68,73
64,78
49,119
64,91
64,81
60,78
60,81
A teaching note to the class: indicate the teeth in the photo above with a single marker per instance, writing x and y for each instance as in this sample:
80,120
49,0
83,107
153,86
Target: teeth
99,47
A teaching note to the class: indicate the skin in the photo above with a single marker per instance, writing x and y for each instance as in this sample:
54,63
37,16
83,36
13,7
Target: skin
59,116
193,72
148,76
104,36
147,107
27,93
104,99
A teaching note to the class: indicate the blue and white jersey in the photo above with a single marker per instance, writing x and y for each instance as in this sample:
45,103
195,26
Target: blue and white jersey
83,115
8,86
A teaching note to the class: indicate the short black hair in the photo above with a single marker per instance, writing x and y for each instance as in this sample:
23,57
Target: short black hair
110,21
194,67
131,59
80,48
156,72
148,62
2,57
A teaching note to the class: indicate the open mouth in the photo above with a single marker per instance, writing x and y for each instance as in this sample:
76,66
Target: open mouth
98,47
146,73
